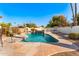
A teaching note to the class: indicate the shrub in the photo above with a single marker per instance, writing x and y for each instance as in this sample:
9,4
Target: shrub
8,33
16,30
74,35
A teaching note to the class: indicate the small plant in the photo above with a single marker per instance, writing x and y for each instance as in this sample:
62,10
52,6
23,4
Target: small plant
16,30
74,35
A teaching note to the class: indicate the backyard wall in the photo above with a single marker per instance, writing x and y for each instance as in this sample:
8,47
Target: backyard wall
21,30
67,30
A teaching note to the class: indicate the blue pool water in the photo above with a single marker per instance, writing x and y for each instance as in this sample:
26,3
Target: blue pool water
39,38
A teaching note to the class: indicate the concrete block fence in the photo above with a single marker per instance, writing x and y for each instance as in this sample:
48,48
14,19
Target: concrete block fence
66,30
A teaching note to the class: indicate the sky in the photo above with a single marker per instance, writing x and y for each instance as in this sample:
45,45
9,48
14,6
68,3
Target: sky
38,13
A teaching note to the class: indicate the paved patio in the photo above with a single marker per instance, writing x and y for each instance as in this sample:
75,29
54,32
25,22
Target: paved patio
37,48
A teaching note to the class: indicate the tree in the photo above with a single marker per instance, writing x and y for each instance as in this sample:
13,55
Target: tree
72,11
77,19
57,21
9,24
75,23
1,17
5,24
50,24
42,25
62,21
6,29
1,35
31,25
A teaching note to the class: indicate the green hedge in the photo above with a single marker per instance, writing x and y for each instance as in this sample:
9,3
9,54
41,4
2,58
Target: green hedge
74,35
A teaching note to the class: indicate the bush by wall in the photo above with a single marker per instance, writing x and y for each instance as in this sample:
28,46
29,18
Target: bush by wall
74,35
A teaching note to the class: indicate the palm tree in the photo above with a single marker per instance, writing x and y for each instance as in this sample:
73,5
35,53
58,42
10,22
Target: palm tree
75,20
74,15
1,34
72,11
10,30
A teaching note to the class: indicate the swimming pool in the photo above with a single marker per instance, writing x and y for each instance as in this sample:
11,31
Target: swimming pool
33,37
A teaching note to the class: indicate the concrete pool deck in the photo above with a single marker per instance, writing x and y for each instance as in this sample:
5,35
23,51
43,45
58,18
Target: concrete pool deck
37,48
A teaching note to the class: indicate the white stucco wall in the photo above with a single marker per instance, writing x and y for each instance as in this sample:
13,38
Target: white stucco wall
67,30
